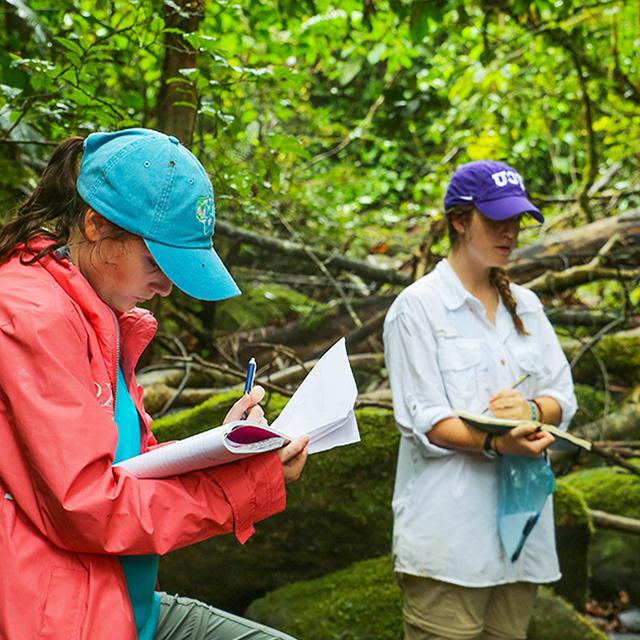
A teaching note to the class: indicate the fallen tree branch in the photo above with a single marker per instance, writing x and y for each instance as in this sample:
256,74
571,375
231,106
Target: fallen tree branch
371,326
610,521
552,282
593,318
323,269
331,260
595,339
571,247
615,458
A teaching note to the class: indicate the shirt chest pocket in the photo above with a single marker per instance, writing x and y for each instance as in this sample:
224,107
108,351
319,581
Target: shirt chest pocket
531,363
464,372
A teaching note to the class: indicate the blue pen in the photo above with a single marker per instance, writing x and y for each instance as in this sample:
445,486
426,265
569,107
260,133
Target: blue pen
251,374
248,383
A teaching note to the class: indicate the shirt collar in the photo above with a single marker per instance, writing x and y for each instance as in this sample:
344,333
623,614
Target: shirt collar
453,293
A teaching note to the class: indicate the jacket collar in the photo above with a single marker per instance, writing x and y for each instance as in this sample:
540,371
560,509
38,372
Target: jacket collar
132,330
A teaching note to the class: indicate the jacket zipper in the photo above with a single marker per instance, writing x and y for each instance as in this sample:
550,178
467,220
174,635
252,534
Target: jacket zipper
117,361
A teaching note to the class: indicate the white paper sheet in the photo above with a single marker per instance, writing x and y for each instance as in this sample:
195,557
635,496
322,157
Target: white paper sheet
326,397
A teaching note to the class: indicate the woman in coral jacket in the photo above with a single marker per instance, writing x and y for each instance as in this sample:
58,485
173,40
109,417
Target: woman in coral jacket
79,538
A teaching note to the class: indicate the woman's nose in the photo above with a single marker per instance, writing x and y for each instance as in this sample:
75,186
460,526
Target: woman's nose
511,226
163,285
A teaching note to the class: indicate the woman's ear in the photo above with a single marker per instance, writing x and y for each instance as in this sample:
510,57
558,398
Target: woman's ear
94,226
460,225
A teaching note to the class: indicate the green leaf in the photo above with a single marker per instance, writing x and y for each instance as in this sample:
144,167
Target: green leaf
350,69
70,45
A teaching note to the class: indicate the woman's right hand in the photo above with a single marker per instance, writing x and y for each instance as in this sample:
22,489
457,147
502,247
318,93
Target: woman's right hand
523,440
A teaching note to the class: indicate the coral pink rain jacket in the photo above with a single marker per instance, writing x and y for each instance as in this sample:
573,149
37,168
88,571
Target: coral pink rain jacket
65,513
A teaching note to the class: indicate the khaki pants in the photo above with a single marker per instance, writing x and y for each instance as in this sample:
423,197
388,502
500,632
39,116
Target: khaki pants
435,610
182,618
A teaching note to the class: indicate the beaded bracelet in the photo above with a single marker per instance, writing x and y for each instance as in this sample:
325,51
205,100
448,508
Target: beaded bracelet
534,413
539,407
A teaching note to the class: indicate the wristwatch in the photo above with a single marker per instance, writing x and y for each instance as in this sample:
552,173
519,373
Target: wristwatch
487,447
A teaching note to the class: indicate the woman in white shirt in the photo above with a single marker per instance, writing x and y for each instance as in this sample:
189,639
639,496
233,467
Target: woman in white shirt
458,339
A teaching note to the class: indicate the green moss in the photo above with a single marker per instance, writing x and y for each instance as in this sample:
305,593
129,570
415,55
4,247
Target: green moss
573,535
614,556
555,619
608,489
363,602
591,404
570,508
262,305
621,352
342,499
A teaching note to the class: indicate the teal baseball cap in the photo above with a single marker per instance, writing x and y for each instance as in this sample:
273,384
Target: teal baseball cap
149,184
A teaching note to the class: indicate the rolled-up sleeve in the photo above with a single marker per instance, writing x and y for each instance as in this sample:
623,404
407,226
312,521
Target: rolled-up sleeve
419,398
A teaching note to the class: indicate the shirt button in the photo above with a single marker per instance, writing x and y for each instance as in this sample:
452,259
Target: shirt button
174,140
502,362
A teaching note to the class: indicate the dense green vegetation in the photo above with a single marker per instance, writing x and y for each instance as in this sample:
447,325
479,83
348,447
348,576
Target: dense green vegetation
333,128
343,119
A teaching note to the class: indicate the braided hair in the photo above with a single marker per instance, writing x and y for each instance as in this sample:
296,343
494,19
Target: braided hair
497,276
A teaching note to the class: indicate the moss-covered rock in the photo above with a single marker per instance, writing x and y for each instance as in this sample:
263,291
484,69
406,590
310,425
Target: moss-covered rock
337,513
623,423
553,618
614,556
591,405
573,534
363,602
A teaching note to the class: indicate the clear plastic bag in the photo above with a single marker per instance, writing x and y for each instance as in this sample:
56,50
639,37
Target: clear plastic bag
524,484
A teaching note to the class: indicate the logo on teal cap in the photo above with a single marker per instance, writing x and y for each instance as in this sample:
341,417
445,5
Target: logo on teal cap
204,214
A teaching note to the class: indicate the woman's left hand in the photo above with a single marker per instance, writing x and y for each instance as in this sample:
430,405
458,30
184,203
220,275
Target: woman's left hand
293,458
510,404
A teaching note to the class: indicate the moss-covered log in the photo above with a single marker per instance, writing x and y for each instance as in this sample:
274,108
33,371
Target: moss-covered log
621,424
591,405
337,513
363,602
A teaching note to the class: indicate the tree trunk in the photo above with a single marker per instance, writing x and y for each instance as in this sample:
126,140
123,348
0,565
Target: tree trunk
177,99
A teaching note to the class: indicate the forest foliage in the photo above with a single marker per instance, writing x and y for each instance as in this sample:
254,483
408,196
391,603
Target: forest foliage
336,125
329,130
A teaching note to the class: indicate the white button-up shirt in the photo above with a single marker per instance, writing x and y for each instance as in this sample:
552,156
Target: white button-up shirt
443,354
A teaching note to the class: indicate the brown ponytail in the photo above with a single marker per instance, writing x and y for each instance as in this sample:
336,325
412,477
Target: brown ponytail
52,210
497,277
500,280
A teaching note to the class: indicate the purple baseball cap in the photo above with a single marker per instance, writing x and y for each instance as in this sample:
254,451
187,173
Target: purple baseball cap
494,188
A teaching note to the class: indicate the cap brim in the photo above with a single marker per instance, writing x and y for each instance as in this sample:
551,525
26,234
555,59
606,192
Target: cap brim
198,272
505,208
